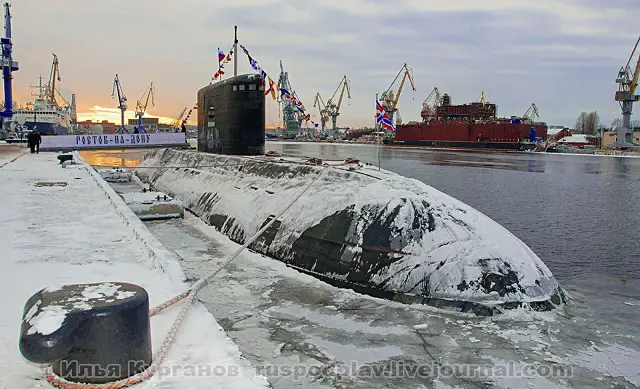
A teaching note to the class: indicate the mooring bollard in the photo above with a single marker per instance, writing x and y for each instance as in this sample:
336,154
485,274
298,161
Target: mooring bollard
89,333
65,157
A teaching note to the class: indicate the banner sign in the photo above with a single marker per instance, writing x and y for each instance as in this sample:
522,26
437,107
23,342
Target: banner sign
73,142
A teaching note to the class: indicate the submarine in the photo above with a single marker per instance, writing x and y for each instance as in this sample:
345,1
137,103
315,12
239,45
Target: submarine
356,227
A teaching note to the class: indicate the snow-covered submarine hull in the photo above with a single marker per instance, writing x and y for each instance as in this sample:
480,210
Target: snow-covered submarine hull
372,231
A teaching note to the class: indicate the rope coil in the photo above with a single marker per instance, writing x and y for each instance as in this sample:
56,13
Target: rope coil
189,297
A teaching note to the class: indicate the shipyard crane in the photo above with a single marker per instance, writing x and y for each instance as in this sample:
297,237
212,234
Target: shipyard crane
122,103
177,121
333,109
8,65
53,77
142,108
430,105
290,121
390,98
322,109
483,98
627,81
532,113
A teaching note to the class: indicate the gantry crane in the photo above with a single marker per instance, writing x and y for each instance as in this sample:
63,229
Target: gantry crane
289,109
122,104
532,113
627,81
430,105
322,109
142,108
333,109
8,65
390,98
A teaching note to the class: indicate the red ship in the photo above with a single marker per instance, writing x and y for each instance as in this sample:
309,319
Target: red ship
473,126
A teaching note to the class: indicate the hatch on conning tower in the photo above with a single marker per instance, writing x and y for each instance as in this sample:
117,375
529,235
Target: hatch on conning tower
231,116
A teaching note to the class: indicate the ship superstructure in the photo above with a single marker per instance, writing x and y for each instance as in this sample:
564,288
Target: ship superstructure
45,114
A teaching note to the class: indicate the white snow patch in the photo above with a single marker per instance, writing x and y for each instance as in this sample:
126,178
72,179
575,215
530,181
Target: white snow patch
48,320
102,291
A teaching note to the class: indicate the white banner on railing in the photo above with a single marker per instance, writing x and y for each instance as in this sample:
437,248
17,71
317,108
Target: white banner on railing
63,142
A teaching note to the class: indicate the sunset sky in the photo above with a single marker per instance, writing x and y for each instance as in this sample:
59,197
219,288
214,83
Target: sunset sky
561,54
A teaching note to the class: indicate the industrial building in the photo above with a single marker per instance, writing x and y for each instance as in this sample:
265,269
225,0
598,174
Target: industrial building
149,124
91,127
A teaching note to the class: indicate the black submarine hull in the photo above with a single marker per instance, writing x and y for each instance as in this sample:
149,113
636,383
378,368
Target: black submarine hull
375,232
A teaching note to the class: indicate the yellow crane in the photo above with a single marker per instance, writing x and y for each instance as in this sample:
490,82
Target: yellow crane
322,109
627,81
483,99
177,121
53,77
142,108
430,105
333,109
390,98
532,113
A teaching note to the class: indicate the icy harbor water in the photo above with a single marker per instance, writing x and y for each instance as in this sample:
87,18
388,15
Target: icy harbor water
281,318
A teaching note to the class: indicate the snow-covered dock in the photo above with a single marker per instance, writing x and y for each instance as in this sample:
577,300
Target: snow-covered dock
65,226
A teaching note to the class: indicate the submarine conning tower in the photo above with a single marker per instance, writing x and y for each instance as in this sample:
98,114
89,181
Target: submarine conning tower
231,116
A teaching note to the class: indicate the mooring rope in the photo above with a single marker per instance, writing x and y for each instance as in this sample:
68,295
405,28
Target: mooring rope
188,296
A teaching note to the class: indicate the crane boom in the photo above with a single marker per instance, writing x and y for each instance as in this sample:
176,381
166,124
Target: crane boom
430,104
634,81
389,98
122,103
142,108
332,108
532,113
407,74
175,123
345,85
55,75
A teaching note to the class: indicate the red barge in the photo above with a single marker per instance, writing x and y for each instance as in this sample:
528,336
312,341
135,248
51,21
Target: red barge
471,126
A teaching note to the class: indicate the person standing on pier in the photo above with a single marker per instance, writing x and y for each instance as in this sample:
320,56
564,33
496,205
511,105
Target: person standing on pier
33,140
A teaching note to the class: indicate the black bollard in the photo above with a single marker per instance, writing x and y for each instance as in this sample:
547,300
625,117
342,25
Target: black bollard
89,333
65,157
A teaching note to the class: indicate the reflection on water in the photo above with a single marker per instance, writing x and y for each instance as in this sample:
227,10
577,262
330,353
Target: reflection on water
114,158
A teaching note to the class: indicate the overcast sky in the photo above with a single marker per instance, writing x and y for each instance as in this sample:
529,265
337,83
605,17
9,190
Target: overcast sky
561,54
